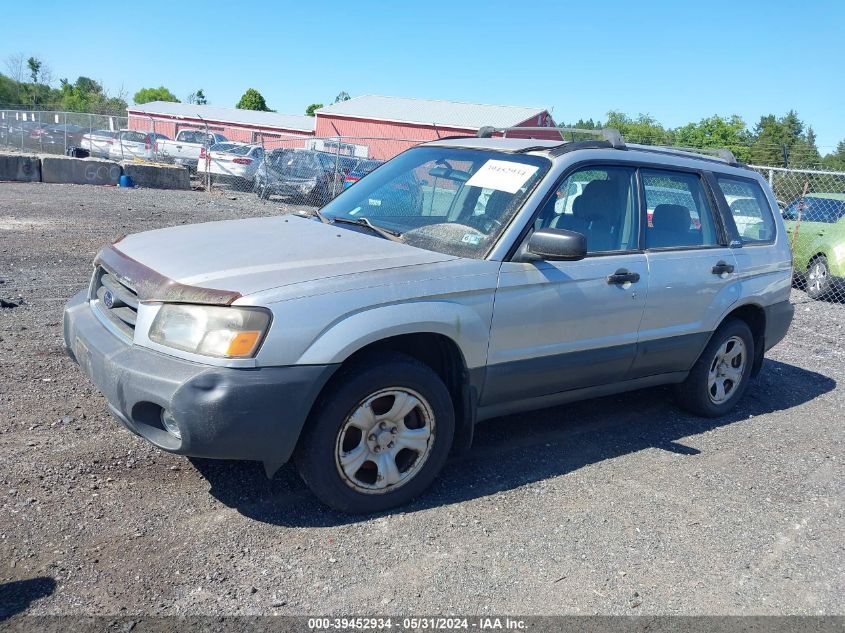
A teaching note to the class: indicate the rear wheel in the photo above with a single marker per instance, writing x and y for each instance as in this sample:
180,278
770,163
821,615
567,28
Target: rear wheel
817,281
721,374
380,436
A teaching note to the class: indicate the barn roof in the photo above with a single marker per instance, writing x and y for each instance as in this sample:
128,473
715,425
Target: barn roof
227,115
431,111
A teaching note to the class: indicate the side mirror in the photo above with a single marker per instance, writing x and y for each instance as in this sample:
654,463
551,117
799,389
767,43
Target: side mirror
557,245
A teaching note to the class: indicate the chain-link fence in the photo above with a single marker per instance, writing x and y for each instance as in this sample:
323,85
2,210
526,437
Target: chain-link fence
50,132
812,203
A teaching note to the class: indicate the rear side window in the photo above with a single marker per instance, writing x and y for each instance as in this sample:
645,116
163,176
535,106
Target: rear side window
750,209
679,214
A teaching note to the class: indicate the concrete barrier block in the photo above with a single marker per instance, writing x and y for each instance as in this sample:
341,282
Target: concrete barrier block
20,167
157,176
79,171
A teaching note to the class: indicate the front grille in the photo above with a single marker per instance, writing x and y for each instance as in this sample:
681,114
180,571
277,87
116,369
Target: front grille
115,300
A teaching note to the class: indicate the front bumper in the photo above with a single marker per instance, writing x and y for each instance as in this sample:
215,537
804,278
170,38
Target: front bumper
224,413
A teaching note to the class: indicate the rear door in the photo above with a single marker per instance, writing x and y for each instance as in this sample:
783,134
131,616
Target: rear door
692,271
561,325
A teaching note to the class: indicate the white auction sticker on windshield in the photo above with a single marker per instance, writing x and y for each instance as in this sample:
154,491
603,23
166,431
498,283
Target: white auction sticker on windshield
502,175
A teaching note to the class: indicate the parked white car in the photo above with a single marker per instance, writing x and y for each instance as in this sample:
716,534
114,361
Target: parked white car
132,144
186,147
231,162
98,143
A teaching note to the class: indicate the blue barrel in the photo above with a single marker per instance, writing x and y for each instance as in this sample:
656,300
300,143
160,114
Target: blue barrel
125,181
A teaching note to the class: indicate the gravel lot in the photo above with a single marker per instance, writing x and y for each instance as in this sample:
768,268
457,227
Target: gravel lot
615,506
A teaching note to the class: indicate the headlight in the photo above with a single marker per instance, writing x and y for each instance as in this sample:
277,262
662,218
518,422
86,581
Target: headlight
228,332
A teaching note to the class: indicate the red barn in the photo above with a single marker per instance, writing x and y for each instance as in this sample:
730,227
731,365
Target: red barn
381,127
249,126
369,126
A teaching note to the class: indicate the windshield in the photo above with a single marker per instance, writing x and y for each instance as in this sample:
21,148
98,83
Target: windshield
444,199
824,210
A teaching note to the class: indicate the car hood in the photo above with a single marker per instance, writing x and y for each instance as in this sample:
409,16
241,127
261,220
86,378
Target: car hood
252,255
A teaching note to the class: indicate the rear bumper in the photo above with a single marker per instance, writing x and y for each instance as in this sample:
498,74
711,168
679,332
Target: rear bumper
224,413
778,318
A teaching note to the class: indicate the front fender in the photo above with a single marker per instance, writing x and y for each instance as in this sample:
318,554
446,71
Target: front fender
462,324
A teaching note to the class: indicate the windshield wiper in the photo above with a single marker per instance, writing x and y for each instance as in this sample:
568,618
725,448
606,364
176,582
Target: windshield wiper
322,217
385,233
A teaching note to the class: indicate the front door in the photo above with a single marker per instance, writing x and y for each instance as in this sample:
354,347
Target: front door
559,326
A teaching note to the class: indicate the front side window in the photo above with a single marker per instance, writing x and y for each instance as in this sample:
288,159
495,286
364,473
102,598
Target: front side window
679,213
446,199
600,203
750,209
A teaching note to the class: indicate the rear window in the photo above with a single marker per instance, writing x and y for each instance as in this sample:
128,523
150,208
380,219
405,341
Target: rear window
232,148
134,137
750,209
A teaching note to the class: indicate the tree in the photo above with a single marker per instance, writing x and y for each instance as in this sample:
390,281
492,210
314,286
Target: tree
252,100
197,97
716,132
309,111
644,129
342,96
836,160
783,142
34,66
145,95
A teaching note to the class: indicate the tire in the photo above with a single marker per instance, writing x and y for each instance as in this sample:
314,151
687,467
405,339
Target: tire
261,190
700,393
352,447
817,282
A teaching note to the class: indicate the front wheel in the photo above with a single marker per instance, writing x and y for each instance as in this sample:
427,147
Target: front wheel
721,374
381,435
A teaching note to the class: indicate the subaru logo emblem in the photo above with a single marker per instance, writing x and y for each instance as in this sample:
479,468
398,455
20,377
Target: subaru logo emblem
108,299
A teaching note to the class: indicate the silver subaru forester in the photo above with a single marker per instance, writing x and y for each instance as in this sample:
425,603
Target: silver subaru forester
465,279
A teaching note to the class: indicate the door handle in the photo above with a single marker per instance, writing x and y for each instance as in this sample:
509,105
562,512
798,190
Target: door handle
622,276
721,268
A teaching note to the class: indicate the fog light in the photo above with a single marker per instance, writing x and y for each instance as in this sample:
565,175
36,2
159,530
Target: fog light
169,423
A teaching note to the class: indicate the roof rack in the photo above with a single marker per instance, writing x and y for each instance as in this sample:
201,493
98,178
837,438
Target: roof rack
720,153
611,135
614,139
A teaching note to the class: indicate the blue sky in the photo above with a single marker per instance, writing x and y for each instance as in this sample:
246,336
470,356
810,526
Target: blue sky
675,60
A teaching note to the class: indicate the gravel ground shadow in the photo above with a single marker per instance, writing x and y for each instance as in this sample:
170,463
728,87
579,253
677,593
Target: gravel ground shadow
16,596
523,449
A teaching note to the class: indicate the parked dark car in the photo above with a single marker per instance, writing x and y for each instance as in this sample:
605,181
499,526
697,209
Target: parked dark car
363,168
60,136
314,177
18,132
